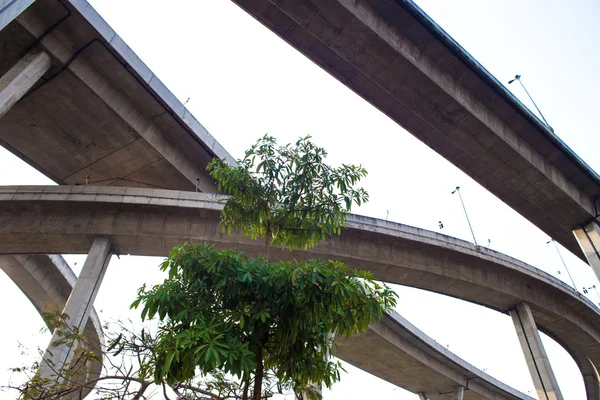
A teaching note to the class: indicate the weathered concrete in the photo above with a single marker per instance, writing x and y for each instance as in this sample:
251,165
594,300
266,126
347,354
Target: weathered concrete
394,56
101,116
66,219
395,350
47,281
588,237
78,308
20,78
10,9
402,342
535,355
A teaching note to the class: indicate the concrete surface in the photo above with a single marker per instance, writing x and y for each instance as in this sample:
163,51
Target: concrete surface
426,365
66,219
588,237
535,355
395,57
395,350
78,309
20,78
47,281
99,112
10,9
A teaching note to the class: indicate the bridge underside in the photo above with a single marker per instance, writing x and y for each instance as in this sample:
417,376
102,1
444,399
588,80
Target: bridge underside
98,114
66,219
391,54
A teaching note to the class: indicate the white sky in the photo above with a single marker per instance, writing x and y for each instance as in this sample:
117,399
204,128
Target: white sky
243,81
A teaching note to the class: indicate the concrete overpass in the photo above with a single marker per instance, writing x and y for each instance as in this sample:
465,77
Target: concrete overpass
68,219
394,56
394,344
78,105
47,281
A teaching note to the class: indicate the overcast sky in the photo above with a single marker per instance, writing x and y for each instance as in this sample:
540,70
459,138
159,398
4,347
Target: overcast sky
243,81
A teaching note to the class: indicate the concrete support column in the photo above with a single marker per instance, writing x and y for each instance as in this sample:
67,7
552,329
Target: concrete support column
459,393
588,237
78,307
537,361
422,396
21,77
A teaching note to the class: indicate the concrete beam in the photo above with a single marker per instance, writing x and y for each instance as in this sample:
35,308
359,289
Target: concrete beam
10,9
533,349
78,308
394,56
20,78
396,351
65,220
47,281
67,52
588,237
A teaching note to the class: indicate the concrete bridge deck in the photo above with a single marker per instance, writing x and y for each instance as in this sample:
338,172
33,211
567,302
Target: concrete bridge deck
66,219
47,281
394,56
99,113
394,344
99,102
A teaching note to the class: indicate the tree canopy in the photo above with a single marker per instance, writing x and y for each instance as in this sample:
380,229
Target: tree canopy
226,312
223,312
287,194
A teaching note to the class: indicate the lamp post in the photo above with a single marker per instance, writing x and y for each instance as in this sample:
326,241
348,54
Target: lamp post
518,78
563,262
586,290
466,215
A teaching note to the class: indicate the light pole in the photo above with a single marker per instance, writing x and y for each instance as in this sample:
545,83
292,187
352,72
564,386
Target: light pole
585,291
518,78
563,262
466,215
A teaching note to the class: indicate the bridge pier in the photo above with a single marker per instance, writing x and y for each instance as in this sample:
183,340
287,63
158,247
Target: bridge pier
21,77
459,393
533,349
78,308
588,237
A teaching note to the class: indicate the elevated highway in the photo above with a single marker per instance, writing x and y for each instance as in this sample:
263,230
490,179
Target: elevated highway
86,110
97,113
67,219
394,56
394,344
47,281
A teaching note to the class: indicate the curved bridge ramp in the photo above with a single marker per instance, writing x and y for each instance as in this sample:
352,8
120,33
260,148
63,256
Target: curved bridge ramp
393,349
47,281
66,219
396,351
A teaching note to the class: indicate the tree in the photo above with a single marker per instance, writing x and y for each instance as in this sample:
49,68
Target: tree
222,312
287,195
127,370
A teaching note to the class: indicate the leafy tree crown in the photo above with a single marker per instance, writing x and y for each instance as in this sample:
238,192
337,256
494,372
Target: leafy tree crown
225,312
287,194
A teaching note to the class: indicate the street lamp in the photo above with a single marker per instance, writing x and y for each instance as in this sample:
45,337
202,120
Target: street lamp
466,215
563,262
518,78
